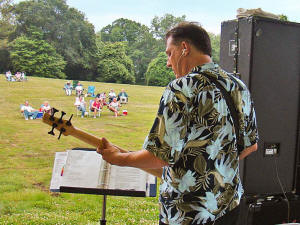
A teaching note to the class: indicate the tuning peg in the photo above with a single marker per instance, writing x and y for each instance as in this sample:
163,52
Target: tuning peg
62,114
53,111
51,131
61,131
69,121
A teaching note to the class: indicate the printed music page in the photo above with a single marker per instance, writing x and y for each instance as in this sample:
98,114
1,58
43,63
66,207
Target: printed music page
127,178
59,162
82,169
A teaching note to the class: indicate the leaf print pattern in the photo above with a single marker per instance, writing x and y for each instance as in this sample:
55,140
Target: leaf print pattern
194,133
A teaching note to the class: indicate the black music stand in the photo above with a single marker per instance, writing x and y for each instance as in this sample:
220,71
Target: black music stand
105,192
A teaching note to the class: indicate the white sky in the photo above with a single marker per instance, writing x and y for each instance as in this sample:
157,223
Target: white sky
209,13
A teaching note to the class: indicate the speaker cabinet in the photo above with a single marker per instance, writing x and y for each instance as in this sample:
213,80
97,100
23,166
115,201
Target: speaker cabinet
258,211
266,54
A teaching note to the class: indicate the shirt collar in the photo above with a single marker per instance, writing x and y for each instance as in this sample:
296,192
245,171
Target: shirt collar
206,66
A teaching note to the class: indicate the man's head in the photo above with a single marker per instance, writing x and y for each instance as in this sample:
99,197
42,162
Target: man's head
26,103
187,45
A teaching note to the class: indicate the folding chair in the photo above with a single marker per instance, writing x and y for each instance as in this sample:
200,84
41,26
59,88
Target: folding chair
91,113
91,91
75,82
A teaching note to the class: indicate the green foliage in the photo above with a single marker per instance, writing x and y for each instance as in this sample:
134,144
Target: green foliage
6,19
161,25
215,45
64,28
36,57
6,28
114,65
158,74
283,17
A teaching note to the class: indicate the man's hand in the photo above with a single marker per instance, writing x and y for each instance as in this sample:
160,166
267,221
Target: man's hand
110,153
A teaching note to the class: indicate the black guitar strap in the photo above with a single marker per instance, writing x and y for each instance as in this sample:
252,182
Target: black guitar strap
232,109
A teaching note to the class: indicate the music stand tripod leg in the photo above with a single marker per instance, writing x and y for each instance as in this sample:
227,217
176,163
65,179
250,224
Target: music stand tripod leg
103,221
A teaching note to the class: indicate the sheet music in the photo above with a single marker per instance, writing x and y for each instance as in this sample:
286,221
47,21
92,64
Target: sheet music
127,178
59,162
87,169
82,169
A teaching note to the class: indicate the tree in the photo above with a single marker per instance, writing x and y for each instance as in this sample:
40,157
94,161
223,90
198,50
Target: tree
114,65
161,25
36,57
215,45
141,46
64,28
158,74
6,27
283,17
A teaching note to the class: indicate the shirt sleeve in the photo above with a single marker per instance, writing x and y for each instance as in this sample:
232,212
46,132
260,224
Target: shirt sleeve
166,138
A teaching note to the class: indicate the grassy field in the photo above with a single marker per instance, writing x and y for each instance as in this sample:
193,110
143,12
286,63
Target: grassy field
27,154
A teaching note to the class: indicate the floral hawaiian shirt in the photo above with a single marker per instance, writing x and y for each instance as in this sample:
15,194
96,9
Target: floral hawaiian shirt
194,132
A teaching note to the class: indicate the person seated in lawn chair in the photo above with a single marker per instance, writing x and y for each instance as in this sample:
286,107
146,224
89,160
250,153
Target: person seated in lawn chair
68,88
114,106
80,105
79,89
28,111
123,96
18,76
96,106
45,108
111,95
8,75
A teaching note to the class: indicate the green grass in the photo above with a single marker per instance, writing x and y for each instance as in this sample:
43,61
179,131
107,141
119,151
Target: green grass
27,154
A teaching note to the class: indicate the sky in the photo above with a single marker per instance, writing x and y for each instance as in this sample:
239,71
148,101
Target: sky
209,13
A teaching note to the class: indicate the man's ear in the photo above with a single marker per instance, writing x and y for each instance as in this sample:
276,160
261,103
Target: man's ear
186,48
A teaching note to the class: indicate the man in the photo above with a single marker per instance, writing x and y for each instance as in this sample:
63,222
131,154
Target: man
28,111
79,89
68,88
123,96
111,95
192,145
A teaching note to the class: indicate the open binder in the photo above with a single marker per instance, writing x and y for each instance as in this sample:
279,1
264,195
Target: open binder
84,171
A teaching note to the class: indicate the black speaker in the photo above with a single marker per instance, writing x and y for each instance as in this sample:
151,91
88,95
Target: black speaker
265,53
269,211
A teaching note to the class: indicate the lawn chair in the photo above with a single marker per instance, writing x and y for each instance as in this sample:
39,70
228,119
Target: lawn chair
91,91
91,113
75,82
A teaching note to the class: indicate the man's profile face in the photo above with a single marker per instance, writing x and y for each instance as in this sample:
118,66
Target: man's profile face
174,55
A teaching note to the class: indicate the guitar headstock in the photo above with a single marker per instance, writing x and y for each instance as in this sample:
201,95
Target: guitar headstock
64,126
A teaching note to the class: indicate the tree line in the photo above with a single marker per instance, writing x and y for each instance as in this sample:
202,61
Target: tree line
47,38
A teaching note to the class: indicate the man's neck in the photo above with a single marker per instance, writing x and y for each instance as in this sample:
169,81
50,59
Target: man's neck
199,61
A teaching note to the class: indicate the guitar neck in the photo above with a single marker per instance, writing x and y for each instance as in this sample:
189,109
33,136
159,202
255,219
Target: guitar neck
87,138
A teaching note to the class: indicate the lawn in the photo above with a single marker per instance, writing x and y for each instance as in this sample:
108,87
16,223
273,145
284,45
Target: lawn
27,154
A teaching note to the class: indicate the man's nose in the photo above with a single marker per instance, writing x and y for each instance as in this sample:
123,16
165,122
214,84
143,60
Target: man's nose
169,65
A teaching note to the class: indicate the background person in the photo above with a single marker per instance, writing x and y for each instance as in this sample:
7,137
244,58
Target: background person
68,88
114,106
79,89
28,111
192,145
123,96
81,105
111,95
96,106
46,108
